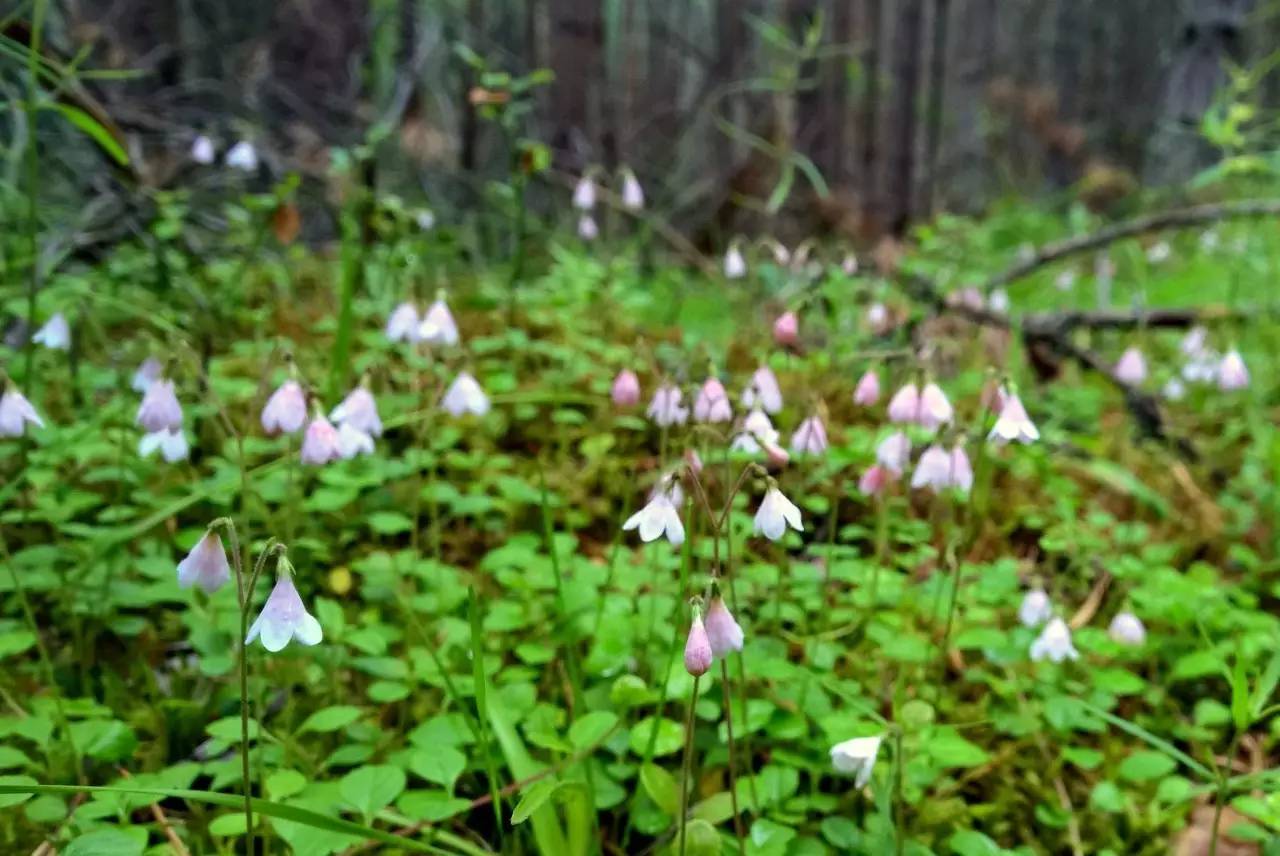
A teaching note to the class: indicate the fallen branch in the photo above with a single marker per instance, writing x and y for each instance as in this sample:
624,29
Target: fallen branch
1178,219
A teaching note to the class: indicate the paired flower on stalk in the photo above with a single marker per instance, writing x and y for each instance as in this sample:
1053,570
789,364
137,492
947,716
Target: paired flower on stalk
927,407
717,636
160,416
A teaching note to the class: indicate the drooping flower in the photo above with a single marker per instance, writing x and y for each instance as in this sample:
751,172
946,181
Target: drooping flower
1054,643
352,441
320,444
904,407
171,443
425,218
1131,369
697,648
1127,629
632,193
587,228
1035,608
933,470
786,330
712,403
206,564
360,411
658,517
1159,252
874,480
1013,422
286,409
1174,389
935,410
626,389
665,409
893,452
693,461
998,301
857,758
16,413
146,374
867,392
1232,374
160,410
810,438
55,334
438,326
465,396
877,317
722,630
584,194
1195,342
961,469
757,431
402,325
775,514
735,266
243,156
284,617
763,390
202,151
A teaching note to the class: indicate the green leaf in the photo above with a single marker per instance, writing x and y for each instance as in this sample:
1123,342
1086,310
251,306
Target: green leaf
373,788
91,128
701,839
110,842
330,719
591,729
1107,797
1145,765
532,799
951,750
661,787
267,808
441,765
970,842
669,736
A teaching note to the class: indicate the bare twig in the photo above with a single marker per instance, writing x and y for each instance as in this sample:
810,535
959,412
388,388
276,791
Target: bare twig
1181,218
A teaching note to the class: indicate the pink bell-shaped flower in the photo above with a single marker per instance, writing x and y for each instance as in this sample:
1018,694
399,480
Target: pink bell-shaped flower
632,192
584,194
16,413
961,469
1127,629
206,565
403,324
933,470
465,396
665,409
283,617
437,326
320,444
1132,367
810,438
1232,374
170,443
659,516
588,230
353,442
1054,643
148,373
1013,422
875,480
786,330
55,334
360,411
867,392
1035,608
697,648
712,403
723,631
775,514
763,390
735,266
904,407
160,410
935,410
286,409
893,452
626,390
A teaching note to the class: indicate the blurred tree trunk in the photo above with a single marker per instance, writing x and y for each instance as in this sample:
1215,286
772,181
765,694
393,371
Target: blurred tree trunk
873,26
470,133
576,41
900,184
1069,33
937,91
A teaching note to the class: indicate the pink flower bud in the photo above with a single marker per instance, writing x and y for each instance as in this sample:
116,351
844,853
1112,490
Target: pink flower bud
206,564
697,648
693,461
810,438
763,390
722,630
874,480
286,409
626,389
320,444
1132,367
867,392
786,330
1232,374
935,411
